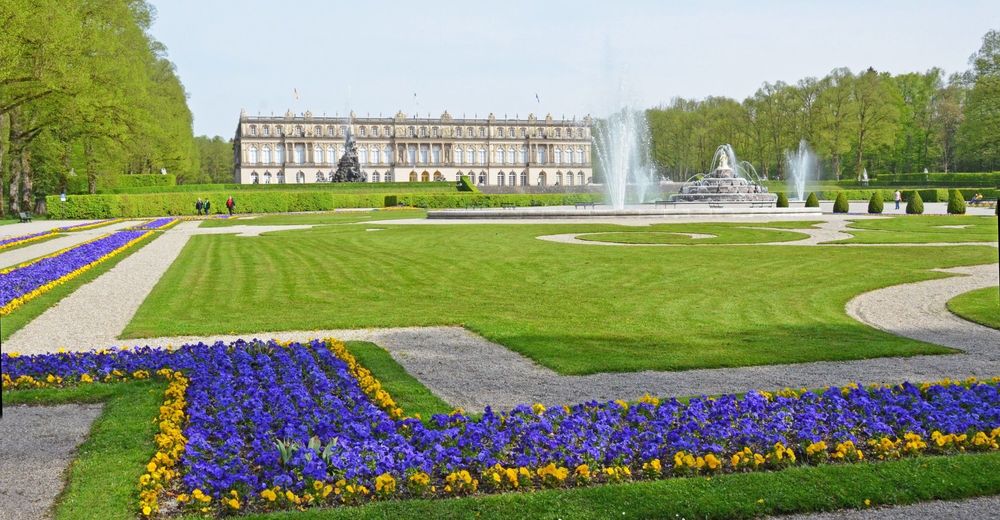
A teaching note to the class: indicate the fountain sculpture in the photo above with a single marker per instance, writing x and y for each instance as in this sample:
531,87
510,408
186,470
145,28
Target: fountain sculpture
348,167
728,181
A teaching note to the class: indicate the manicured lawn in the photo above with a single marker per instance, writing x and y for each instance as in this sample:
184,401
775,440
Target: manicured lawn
576,309
344,217
722,234
35,307
982,306
924,229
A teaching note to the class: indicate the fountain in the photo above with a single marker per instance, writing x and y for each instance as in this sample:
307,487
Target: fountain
348,167
729,180
622,143
801,167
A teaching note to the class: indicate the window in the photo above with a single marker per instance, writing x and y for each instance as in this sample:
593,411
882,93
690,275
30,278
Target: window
375,177
513,179
499,132
579,178
541,179
253,129
436,154
558,178
375,133
254,178
579,155
279,154
376,155
409,131
482,178
524,154
524,178
425,177
267,154
558,133
458,131
510,154
524,133
482,131
540,132
317,130
300,153
331,154
267,177
298,130
361,131
330,132
343,130
500,179
317,154
411,154
388,155
458,155
423,154
482,155
280,130
386,131
498,155
320,177
434,131
423,131
510,132
300,178
438,177
541,154
281,177
388,176
267,130
569,178
252,155
558,156
363,155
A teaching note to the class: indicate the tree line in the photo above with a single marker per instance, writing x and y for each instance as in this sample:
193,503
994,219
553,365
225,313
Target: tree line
85,90
853,121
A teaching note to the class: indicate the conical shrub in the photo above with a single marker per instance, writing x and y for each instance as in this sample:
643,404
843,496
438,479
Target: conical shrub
956,204
875,204
914,204
840,204
812,201
782,200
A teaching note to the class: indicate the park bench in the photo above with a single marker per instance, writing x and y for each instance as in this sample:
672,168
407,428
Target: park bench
24,216
989,203
591,205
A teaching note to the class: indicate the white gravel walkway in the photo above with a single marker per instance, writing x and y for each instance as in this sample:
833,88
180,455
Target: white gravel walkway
37,444
982,508
28,252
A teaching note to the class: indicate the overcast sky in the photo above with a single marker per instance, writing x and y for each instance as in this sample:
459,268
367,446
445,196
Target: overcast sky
471,57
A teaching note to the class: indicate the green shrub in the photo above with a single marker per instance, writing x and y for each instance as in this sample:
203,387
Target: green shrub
875,204
841,205
956,204
110,183
346,187
914,204
812,201
465,184
782,200
391,200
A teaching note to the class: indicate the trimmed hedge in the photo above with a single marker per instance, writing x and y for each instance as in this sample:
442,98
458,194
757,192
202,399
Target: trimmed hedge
914,204
159,204
465,184
875,204
841,205
940,179
353,187
956,204
132,181
782,200
812,201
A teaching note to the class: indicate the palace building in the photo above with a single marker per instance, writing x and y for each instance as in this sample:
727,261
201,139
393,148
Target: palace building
500,152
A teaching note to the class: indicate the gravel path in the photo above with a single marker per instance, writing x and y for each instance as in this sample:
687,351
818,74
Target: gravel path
983,508
37,444
23,254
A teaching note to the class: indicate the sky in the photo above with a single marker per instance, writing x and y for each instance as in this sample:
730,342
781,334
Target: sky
579,57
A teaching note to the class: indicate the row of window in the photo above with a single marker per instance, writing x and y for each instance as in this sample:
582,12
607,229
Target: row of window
424,131
502,179
427,155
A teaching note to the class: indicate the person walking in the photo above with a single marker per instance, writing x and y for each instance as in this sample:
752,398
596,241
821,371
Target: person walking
898,198
198,205
208,204
230,204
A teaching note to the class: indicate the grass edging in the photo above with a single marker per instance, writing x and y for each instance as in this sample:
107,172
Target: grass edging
978,306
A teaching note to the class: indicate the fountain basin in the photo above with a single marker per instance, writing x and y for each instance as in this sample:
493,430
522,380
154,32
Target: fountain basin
601,211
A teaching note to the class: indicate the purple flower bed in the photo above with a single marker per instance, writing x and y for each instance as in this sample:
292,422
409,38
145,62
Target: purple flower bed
22,238
23,280
262,417
157,224
83,225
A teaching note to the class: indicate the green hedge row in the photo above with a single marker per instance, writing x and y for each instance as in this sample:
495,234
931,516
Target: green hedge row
111,183
954,179
159,204
363,187
928,195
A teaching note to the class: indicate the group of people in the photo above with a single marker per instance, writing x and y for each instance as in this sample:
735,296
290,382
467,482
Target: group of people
204,206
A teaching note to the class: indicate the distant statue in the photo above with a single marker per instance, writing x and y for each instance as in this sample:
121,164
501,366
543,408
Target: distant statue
348,167
724,162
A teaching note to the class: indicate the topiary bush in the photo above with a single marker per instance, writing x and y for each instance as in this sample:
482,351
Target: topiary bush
875,204
782,200
812,201
914,204
840,205
956,204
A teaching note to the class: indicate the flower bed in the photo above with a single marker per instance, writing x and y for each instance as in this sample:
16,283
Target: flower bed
24,239
26,281
88,225
158,224
266,426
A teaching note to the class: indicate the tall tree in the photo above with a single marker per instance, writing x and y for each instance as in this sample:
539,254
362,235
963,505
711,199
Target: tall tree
876,102
836,124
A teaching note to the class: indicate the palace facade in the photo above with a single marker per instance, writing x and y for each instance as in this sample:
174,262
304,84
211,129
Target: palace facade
505,152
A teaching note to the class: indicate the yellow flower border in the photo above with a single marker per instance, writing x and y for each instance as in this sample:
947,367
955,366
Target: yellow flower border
170,443
91,226
28,240
21,300
55,231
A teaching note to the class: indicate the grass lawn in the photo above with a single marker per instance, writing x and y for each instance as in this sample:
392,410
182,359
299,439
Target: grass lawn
329,217
33,308
724,233
982,306
924,229
573,308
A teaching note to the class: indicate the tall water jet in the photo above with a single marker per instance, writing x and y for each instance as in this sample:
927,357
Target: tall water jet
622,144
802,166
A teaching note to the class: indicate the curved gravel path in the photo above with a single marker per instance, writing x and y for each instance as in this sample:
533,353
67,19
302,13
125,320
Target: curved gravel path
37,444
28,252
982,508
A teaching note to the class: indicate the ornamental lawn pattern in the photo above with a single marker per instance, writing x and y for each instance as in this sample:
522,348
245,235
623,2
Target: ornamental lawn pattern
265,426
